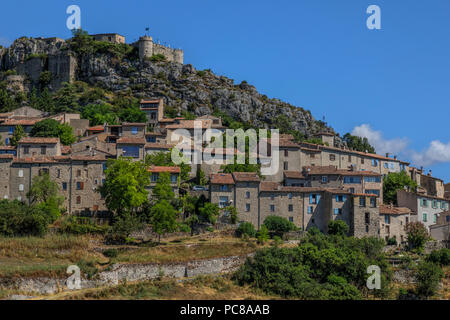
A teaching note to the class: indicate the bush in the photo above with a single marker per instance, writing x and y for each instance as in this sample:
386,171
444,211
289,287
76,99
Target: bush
79,225
262,235
18,219
338,227
278,225
110,253
321,267
441,257
246,228
428,276
417,235
392,241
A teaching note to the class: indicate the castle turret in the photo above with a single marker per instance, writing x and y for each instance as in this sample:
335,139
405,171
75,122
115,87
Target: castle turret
145,47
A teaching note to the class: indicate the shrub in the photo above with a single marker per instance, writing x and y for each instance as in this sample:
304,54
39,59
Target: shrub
18,219
428,275
441,257
392,241
110,253
246,228
262,235
79,225
157,58
338,227
278,225
417,235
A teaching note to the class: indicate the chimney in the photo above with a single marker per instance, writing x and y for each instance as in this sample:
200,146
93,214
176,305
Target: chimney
387,154
429,173
395,157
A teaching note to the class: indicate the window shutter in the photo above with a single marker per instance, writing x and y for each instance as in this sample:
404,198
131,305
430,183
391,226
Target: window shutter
343,198
337,198
310,199
81,185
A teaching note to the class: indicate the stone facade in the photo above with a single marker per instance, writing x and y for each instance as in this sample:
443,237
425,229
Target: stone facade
147,48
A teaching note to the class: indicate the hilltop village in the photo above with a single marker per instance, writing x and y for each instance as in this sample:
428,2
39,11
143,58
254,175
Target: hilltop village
315,182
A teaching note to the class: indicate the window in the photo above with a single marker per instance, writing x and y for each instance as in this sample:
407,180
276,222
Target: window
224,188
425,217
290,208
11,130
324,179
392,166
130,151
373,191
247,195
337,211
272,197
352,190
312,155
20,173
362,160
352,180
434,218
367,217
386,165
286,153
151,139
26,149
272,208
310,210
435,204
43,149
314,198
387,219
285,165
367,228
19,198
134,130
223,202
424,203
247,207
64,186
104,166
173,178
349,158
78,173
340,198
374,163
58,173
7,141
80,185
332,157
78,199
43,171
362,201
154,177
373,202
20,187
290,195
372,179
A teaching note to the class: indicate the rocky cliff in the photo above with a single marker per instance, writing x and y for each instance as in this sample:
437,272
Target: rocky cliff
119,69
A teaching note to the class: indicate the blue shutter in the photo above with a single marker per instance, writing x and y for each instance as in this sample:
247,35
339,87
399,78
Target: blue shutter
318,198
310,198
336,211
344,198
337,198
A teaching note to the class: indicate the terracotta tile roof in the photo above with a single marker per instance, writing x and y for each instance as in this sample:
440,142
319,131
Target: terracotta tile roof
323,133
66,149
293,175
134,124
190,124
246,177
332,170
153,134
6,156
269,186
55,159
131,140
155,145
22,122
39,140
221,178
286,136
286,143
365,195
7,148
150,101
425,196
164,169
266,186
167,120
387,209
98,157
96,128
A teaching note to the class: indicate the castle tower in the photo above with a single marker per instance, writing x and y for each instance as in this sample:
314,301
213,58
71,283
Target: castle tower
145,47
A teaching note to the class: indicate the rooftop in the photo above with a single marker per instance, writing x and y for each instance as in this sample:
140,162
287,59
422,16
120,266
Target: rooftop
38,140
155,169
246,177
131,140
389,209
221,178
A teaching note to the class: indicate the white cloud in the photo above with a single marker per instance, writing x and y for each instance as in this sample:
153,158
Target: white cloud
376,139
437,151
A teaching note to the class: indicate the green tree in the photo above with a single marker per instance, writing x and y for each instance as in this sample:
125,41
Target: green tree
44,193
417,235
52,128
263,235
246,228
396,181
132,114
278,225
163,189
45,101
124,187
209,212
66,99
428,276
18,134
358,143
34,99
99,114
200,178
338,227
163,218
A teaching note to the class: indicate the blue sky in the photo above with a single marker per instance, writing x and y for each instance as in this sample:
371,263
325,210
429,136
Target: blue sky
391,85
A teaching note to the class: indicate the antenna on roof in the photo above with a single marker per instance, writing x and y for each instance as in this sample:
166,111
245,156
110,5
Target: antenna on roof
147,30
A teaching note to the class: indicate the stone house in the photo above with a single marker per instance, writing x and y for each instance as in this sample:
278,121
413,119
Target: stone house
109,37
424,208
154,110
246,190
393,221
38,147
131,147
8,127
174,173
